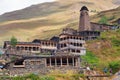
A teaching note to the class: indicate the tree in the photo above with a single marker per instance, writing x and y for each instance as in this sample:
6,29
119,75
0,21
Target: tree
13,41
103,20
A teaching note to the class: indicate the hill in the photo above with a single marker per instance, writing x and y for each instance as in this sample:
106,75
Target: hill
111,15
47,19
107,47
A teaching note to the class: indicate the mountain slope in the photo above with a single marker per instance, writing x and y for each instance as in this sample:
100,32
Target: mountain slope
112,15
47,19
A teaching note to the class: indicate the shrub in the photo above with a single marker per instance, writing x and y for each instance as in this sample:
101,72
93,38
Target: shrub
115,66
103,20
13,41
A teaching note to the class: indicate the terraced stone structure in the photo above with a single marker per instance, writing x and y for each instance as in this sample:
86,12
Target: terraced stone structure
61,52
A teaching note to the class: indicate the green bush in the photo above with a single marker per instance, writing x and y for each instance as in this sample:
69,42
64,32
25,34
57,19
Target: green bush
115,66
103,20
13,41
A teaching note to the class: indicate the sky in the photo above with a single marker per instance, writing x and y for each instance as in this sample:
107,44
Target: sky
11,5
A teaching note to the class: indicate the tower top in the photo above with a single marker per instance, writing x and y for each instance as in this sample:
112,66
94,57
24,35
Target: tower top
84,8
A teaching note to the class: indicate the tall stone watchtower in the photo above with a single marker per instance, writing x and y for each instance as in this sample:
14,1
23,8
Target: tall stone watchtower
84,23
85,27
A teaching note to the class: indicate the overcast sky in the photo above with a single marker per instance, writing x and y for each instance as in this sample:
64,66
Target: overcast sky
11,5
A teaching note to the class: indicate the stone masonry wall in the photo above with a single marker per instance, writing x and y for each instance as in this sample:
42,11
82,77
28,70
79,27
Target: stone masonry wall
38,66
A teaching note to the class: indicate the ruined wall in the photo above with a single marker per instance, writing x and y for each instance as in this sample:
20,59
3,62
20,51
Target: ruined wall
30,66
38,66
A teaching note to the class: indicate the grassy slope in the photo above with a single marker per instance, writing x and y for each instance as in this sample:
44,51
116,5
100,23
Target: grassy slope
45,20
112,15
106,48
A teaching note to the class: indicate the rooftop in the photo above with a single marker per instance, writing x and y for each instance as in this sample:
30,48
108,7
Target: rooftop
84,8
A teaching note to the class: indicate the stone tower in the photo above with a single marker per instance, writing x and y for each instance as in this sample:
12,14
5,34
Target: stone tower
84,23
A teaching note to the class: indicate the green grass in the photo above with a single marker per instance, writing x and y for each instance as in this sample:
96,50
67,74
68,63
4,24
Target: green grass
33,77
57,76
90,58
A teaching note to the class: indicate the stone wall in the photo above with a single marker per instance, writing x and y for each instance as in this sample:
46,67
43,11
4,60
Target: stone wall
38,66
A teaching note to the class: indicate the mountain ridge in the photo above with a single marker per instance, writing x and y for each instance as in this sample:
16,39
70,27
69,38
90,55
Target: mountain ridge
47,8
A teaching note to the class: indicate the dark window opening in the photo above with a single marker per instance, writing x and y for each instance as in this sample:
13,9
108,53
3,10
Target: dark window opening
30,48
20,62
77,44
58,61
26,48
18,48
78,51
68,37
71,43
65,45
65,38
64,61
80,45
22,48
74,44
48,62
70,61
74,37
61,45
43,43
52,61
34,48
73,50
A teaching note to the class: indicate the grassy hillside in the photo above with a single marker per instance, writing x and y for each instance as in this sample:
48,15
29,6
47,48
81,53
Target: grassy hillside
47,19
106,48
111,15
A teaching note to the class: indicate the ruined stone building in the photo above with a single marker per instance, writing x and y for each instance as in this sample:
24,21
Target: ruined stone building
103,27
